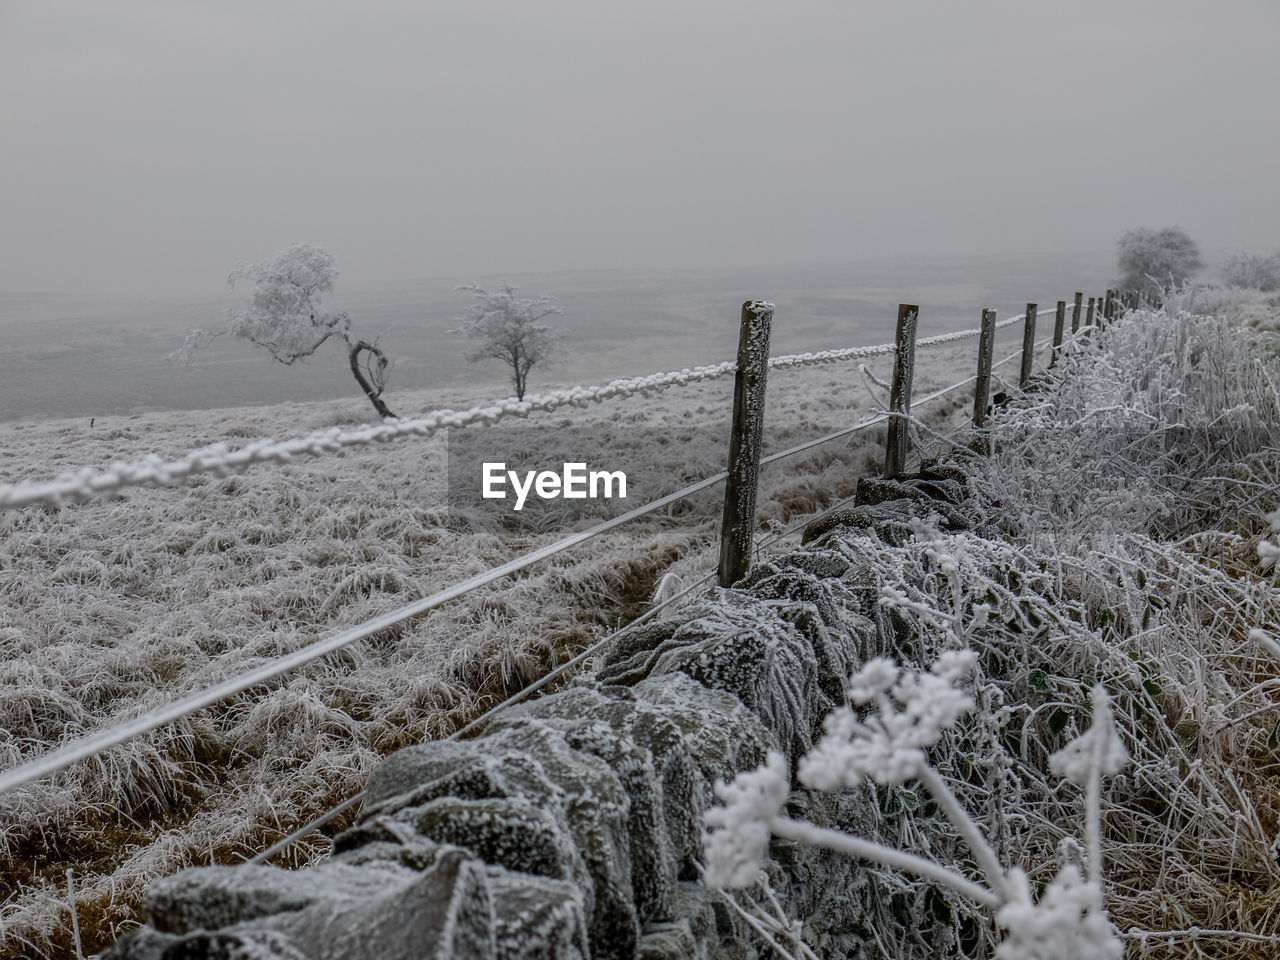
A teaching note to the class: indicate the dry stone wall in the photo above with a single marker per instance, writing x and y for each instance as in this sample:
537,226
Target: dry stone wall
570,829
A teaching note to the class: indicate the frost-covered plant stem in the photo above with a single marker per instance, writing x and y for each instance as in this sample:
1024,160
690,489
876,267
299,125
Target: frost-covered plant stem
771,921
1084,761
1093,815
789,829
969,831
888,744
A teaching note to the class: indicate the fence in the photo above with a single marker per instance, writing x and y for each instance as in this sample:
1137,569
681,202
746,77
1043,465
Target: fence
741,477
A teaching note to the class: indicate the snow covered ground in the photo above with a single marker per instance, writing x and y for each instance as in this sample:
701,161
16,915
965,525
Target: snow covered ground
111,607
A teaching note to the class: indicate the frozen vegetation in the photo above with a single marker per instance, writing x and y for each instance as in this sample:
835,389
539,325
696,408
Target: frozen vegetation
1019,707
117,604
1122,541
1022,708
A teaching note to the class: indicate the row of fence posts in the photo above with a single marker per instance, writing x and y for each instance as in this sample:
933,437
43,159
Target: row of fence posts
737,526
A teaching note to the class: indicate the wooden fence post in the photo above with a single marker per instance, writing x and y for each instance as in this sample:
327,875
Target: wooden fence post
1088,320
898,445
737,527
1075,313
986,347
1109,307
1059,323
1028,344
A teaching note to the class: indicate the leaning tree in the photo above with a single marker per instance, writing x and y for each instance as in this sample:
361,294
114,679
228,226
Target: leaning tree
285,319
511,330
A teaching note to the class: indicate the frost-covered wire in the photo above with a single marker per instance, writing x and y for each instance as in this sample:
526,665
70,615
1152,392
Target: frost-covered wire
220,460
945,338
522,694
95,743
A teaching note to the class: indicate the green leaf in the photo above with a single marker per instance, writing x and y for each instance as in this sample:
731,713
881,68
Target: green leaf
1058,721
1188,730
1039,680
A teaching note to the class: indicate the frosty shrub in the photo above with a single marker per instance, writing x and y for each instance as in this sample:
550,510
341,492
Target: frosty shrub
911,710
1253,271
1149,259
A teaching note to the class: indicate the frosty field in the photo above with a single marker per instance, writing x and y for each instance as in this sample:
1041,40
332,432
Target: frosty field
114,606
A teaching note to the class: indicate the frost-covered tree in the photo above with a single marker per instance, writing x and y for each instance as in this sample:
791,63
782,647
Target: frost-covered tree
285,318
1253,271
1150,260
511,330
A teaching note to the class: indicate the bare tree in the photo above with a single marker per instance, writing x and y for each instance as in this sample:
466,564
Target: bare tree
511,330
1151,259
285,319
1253,271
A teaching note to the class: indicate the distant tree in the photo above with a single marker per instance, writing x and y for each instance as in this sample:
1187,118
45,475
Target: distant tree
1253,271
511,330
285,319
1152,259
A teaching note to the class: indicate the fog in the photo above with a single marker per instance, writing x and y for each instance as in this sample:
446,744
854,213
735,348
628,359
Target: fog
149,146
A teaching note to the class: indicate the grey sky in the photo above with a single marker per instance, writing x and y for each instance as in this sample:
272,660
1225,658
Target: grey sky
148,146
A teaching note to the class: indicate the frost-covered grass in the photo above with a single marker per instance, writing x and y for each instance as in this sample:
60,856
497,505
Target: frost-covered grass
1120,519
111,607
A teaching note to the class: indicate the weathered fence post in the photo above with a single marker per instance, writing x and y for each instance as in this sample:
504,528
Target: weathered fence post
737,527
1059,323
986,347
1075,313
1028,344
1088,320
1109,307
898,445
